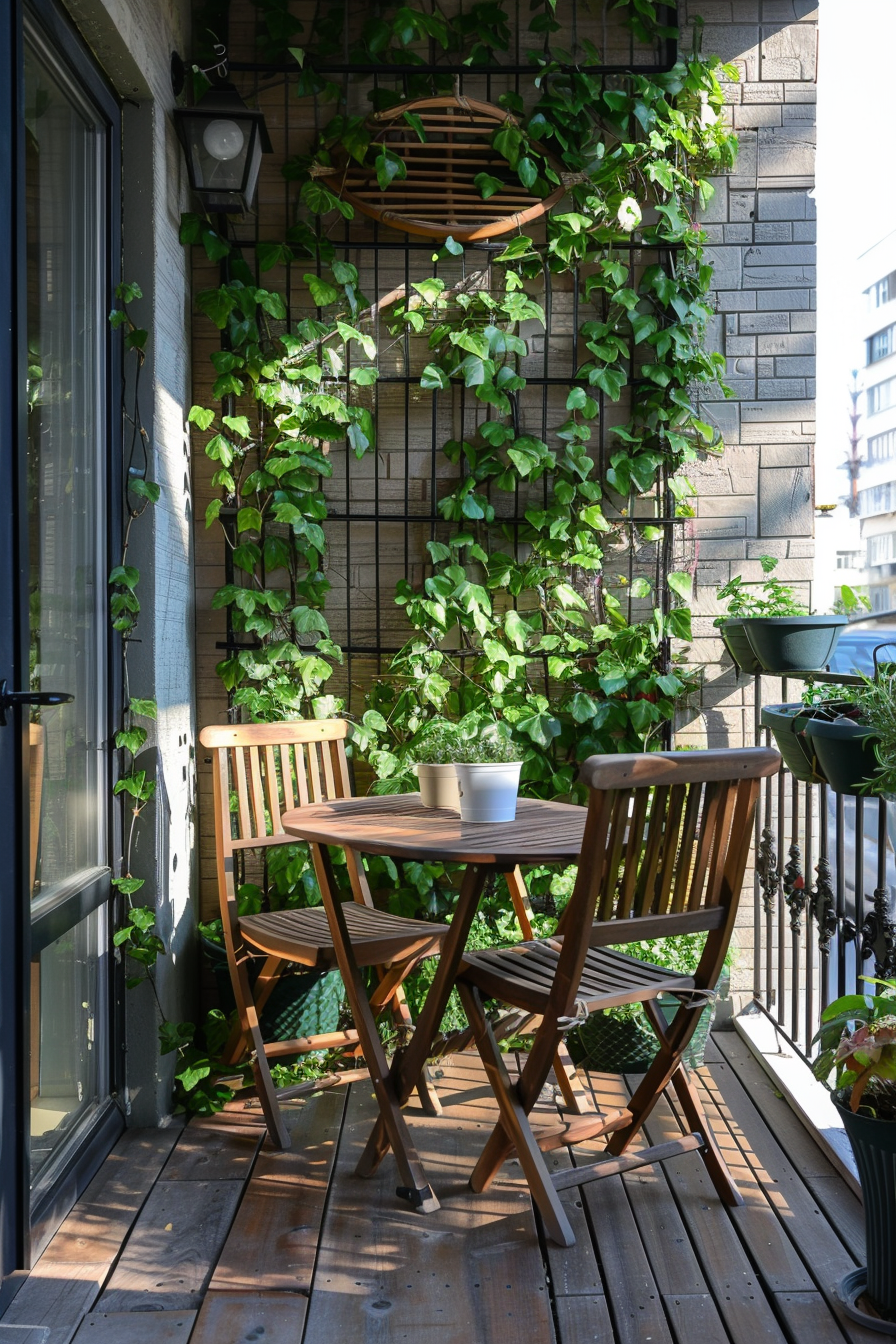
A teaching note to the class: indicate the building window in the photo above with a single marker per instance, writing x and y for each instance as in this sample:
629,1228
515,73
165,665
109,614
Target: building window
881,396
882,549
882,446
877,499
850,560
882,291
880,345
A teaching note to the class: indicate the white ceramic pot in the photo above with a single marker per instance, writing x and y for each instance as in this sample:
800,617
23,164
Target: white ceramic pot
488,790
438,786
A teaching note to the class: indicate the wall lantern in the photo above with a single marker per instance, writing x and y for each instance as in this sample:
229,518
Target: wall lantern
223,140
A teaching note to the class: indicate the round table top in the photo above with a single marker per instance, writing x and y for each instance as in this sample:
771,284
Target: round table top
400,826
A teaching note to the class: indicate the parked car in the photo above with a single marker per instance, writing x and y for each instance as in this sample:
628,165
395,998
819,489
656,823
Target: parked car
856,646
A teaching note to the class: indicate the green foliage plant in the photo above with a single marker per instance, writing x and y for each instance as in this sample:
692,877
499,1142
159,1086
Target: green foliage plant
876,703
857,1041
773,597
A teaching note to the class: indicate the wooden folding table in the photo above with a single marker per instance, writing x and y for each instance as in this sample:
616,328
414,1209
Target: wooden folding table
399,826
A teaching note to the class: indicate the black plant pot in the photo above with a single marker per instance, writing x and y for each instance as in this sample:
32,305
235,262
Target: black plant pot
629,1045
845,753
785,644
734,637
788,724
873,1144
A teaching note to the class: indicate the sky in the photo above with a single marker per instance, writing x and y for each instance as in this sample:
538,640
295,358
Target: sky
855,195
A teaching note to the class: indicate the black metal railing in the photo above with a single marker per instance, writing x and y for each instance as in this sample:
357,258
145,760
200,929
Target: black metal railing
824,875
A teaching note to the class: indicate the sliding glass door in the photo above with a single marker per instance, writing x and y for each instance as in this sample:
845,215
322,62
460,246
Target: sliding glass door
59,668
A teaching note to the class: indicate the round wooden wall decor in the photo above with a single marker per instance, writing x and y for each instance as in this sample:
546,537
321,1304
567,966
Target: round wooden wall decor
438,197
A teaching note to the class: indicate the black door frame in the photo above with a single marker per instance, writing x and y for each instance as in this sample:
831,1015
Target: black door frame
23,1228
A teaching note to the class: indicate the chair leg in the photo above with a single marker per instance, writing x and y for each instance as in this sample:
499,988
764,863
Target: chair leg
515,1123
415,1187
261,1071
711,1153
674,1040
574,1094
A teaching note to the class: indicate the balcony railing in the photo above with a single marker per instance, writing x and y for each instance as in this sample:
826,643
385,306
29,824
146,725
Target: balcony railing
823,915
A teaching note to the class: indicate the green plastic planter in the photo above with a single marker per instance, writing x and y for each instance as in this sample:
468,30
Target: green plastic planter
785,644
873,1143
734,637
788,725
610,1044
845,753
308,1003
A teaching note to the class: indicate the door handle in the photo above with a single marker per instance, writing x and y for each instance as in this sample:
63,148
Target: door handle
9,699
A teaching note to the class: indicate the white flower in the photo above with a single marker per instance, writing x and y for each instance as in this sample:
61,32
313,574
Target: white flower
628,214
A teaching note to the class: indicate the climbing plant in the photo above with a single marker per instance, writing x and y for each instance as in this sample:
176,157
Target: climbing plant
548,617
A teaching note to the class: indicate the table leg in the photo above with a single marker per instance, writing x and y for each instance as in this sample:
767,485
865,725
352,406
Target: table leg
408,1064
414,1187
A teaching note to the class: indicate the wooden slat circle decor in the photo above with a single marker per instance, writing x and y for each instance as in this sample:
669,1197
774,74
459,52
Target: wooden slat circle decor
439,198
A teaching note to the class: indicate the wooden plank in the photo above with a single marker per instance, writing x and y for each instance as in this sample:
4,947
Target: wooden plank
770,1248
103,1216
807,1316
695,1316
136,1327
631,1288
53,1300
169,1257
273,1242
472,1271
843,1210
584,1320
211,1148
736,1286
268,1318
827,1259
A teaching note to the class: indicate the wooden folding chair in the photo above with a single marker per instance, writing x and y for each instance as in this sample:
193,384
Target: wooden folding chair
261,771
664,852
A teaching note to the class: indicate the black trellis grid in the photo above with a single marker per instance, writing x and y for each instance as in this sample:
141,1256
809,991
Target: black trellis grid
358,615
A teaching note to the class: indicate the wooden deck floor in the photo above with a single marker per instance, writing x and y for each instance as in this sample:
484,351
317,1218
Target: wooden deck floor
203,1235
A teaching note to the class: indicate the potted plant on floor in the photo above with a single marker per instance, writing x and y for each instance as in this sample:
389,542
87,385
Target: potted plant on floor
488,776
435,752
770,631
858,1044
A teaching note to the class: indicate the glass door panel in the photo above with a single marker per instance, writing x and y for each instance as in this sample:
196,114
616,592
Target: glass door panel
65,471
66,211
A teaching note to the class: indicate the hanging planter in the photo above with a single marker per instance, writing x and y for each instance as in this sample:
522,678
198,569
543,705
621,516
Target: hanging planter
439,195
734,637
788,725
844,750
786,644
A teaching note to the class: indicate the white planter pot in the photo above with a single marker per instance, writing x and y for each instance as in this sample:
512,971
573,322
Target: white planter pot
488,791
438,786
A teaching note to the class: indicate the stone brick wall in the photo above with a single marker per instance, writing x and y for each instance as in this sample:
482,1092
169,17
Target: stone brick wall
757,498
133,42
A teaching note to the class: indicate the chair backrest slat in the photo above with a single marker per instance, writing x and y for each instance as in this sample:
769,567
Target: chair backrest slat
242,790
272,789
257,792
686,848
649,867
314,773
671,837
615,843
634,840
703,843
286,776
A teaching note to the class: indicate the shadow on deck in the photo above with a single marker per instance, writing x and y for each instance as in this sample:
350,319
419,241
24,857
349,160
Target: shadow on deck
204,1235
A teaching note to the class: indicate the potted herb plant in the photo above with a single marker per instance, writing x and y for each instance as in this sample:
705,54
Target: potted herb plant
435,752
858,1044
488,776
770,631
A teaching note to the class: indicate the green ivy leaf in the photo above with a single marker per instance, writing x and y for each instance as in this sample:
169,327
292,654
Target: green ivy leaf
322,293
681,584
488,185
